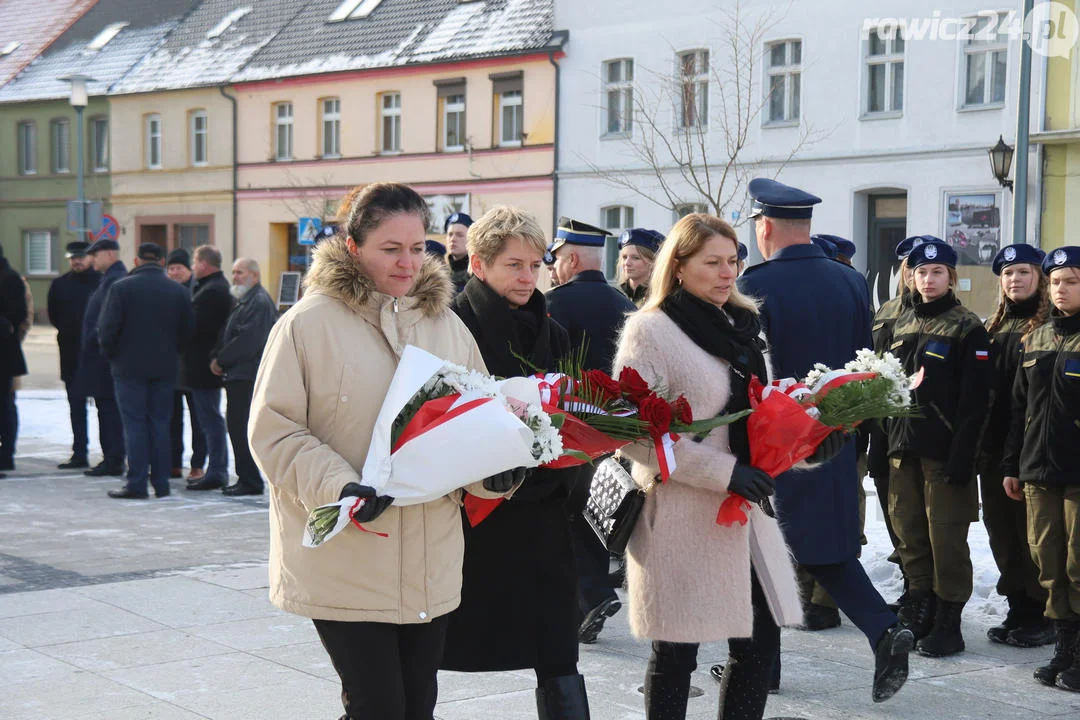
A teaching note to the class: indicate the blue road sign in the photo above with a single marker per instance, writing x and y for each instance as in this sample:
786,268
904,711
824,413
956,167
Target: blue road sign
309,229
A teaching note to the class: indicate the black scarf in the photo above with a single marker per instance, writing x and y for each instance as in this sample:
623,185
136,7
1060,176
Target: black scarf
501,332
933,308
1023,309
733,335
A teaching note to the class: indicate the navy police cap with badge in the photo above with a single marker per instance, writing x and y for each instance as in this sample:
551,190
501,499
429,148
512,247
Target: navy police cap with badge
576,232
458,218
648,239
1063,257
1020,253
905,246
934,252
776,200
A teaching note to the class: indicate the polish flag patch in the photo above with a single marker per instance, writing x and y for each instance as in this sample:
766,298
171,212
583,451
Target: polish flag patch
982,354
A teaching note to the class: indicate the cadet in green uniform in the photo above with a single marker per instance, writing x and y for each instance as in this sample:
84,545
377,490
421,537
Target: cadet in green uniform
933,498
456,228
1024,305
637,251
1041,452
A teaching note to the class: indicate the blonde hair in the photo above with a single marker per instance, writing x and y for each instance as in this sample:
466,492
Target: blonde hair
646,254
488,235
684,241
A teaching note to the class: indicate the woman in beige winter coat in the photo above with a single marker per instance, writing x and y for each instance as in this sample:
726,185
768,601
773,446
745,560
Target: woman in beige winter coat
379,602
691,580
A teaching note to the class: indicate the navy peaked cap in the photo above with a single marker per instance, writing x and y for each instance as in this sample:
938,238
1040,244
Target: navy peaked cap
458,218
576,232
1017,254
102,245
1063,257
935,252
76,249
777,200
648,239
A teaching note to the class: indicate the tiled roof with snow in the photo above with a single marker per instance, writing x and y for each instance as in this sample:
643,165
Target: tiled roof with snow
210,45
144,26
28,26
400,32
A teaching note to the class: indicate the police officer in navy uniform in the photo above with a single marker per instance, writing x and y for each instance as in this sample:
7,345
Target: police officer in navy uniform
593,312
95,375
456,228
815,310
68,296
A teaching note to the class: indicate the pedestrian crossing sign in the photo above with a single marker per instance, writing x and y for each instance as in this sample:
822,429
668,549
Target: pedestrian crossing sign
308,230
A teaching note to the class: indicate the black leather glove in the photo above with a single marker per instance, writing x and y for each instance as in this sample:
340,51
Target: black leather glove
374,506
506,480
749,482
830,447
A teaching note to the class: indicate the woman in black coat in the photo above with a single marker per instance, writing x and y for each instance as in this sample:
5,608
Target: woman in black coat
519,594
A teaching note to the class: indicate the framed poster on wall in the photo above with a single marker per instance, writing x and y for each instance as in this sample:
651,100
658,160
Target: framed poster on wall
973,225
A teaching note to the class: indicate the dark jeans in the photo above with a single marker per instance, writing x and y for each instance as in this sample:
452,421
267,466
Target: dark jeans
77,408
747,673
237,409
208,410
388,672
176,433
146,407
110,429
853,592
590,554
9,422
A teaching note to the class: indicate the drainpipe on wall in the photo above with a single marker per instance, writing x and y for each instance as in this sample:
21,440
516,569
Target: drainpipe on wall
235,172
558,39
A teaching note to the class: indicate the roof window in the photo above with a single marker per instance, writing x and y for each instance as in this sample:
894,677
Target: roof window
106,35
10,48
227,22
354,10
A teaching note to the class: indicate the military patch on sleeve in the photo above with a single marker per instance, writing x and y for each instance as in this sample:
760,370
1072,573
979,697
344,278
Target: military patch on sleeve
896,344
937,349
1072,368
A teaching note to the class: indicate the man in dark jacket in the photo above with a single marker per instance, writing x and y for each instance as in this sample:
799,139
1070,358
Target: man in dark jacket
178,268
13,313
593,313
68,297
212,304
145,319
94,376
237,361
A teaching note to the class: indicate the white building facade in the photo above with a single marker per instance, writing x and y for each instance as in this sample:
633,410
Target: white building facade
888,122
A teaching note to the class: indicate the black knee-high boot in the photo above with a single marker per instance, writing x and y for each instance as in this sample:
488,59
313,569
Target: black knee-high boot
562,698
667,680
744,689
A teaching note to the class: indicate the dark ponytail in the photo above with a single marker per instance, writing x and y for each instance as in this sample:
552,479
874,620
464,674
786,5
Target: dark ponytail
369,206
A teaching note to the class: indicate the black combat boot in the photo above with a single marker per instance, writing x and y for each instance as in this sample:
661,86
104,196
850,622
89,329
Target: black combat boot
1013,620
562,698
891,662
1066,632
945,638
1069,679
917,614
819,617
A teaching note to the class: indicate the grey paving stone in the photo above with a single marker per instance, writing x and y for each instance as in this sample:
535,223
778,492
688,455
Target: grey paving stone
215,675
142,649
79,694
274,630
309,657
82,623
23,666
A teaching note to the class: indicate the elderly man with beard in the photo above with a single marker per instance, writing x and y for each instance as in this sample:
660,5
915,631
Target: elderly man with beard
237,360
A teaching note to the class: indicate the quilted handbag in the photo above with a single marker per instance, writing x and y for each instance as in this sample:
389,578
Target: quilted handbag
614,505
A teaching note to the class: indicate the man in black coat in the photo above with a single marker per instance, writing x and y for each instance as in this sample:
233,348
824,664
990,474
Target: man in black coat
593,313
145,319
212,304
13,313
178,268
68,297
237,361
94,376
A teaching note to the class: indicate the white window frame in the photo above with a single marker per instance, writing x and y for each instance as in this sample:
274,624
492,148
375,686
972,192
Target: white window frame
331,127
26,143
390,143
28,238
625,219
791,71
60,147
514,101
696,83
283,131
620,95
99,151
985,41
153,135
196,132
457,107
892,60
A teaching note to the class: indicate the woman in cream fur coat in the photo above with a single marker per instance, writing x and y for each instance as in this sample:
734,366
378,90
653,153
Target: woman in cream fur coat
690,579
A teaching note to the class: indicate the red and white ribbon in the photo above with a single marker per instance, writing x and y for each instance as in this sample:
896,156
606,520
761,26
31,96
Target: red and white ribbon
665,454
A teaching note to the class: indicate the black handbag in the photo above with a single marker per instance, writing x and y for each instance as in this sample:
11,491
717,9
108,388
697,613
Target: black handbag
614,504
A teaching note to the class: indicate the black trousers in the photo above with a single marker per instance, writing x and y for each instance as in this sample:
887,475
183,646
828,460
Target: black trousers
747,673
9,422
77,409
176,434
110,429
237,409
388,672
